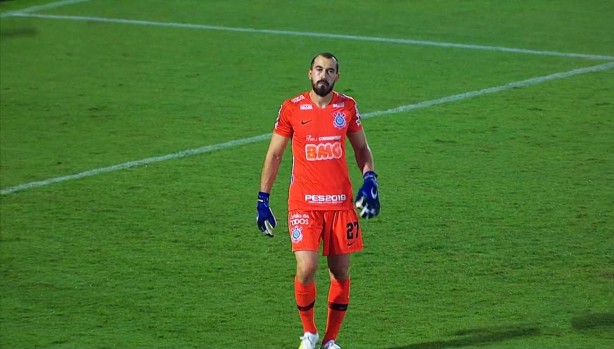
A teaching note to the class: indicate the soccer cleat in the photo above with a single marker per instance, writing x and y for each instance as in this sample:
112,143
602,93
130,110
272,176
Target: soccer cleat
309,341
330,345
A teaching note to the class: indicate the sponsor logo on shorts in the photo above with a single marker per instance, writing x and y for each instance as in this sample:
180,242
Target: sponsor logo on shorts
297,234
325,199
299,219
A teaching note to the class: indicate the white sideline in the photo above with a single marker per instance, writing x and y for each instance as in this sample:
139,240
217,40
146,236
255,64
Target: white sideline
318,35
234,143
41,7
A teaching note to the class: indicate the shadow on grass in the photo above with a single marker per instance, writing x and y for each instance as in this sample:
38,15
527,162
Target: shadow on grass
17,32
591,321
477,336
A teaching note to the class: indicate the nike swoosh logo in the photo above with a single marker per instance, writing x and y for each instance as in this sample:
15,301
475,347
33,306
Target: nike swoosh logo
303,122
351,243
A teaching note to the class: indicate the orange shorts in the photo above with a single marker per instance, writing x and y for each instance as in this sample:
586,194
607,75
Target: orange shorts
338,230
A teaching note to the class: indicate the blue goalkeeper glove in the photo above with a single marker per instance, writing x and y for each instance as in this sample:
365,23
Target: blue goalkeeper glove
266,219
367,199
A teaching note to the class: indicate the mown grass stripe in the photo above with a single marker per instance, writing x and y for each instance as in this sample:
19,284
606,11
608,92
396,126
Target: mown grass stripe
319,35
254,139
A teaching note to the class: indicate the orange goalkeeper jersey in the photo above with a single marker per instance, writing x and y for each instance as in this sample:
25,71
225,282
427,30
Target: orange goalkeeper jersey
320,178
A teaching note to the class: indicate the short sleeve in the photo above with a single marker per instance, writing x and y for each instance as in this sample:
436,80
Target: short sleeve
283,126
355,122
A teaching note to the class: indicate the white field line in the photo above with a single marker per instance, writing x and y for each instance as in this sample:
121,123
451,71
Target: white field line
317,35
41,7
243,141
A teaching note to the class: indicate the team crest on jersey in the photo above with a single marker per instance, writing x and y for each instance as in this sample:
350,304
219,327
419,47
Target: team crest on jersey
297,234
339,120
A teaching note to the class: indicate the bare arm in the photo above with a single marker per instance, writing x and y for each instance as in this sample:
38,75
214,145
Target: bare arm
362,152
272,161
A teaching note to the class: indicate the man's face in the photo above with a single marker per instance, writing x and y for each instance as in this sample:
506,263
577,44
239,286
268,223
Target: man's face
323,75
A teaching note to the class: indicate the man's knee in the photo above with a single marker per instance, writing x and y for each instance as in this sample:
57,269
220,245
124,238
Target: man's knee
339,267
340,273
305,272
306,267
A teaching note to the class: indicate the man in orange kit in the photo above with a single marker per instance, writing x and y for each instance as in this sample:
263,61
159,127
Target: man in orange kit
320,206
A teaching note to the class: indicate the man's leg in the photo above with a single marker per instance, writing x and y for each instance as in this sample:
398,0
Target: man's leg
338,295
305,288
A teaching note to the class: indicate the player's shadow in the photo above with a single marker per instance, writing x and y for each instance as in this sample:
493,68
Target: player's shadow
17,32
477,336
592,321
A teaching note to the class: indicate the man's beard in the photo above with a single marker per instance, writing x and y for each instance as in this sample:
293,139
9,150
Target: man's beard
322,90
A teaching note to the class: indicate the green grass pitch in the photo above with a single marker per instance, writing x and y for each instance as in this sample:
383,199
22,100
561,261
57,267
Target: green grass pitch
497,222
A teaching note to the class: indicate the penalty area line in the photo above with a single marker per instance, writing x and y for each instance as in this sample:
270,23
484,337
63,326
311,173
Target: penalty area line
249,140
318,35
33,9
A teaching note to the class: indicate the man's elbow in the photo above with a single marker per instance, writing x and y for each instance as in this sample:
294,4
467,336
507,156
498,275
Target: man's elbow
275,157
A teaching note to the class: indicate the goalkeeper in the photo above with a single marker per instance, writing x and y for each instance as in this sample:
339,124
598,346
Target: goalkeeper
321,211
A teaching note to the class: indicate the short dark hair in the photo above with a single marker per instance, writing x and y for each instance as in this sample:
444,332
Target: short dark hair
325,55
